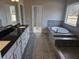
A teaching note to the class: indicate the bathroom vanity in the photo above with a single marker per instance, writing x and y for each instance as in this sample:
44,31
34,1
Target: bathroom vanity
12,46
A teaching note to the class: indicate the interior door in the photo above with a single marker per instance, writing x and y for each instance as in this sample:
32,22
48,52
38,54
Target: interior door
37,13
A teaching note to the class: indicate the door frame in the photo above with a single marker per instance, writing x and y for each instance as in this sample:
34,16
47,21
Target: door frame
33,14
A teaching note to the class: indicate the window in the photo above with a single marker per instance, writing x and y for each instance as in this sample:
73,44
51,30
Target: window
72,14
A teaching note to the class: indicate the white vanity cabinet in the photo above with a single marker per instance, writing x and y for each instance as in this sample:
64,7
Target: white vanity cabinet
10,53
21,44
25,38
11,57
27,35
4,57
17,53
0,56
17,49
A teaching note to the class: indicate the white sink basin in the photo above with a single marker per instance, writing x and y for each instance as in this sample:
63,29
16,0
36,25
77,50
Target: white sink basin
3,44
22,27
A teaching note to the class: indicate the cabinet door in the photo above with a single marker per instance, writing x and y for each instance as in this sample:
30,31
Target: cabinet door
11,57
4,57
17,53
23,45
25,38
20,49
27,35
11,51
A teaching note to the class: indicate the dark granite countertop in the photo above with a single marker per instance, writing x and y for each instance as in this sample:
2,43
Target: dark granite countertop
12,37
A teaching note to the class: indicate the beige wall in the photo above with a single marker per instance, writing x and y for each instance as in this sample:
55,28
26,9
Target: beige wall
71,1
28,10
52,10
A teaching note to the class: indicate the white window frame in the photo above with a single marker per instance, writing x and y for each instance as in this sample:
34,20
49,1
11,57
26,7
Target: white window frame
71,16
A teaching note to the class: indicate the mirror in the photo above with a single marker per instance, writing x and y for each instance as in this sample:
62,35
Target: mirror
8,14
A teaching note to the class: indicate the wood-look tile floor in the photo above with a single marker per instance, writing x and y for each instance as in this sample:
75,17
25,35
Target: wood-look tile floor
39,47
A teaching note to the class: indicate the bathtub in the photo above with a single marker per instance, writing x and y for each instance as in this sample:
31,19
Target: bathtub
60,30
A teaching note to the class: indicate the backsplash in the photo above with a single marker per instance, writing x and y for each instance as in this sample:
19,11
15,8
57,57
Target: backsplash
51,23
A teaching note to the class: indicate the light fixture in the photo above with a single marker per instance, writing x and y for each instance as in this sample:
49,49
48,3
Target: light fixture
15,0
